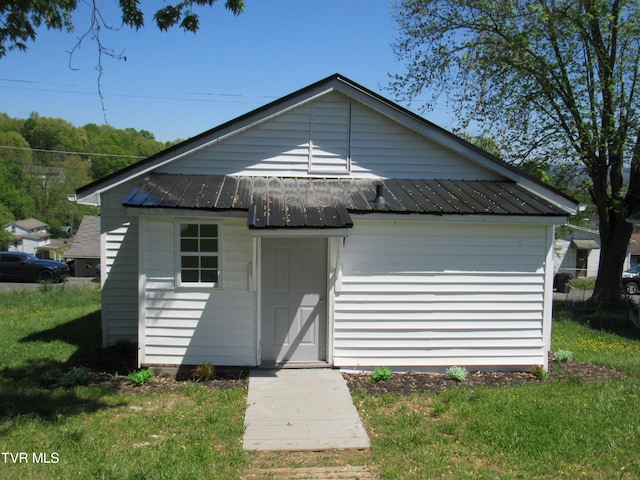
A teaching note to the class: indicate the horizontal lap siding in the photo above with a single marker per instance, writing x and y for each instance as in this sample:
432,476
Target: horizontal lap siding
378,146
119,234
415,296
195,325
277,147
388,149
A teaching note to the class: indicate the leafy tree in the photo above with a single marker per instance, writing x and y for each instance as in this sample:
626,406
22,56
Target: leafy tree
486,143
123,147
6,237
8,124
556,79
15,201
36,183
53,134
14,147
20,19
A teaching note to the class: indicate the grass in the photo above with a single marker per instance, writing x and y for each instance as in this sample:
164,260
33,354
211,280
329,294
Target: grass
95,432
550,430
597,346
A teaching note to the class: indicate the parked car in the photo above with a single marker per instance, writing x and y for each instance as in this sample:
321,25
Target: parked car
20,266
631,280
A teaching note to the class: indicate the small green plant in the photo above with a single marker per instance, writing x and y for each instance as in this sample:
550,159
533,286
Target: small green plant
539,372
75,376
203,372
457,373
564,356
140,377
381,374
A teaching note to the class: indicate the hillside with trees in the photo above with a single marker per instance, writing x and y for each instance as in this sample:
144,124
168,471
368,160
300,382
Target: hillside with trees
43,160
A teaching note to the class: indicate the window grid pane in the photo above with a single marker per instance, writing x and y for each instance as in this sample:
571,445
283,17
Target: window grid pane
199,253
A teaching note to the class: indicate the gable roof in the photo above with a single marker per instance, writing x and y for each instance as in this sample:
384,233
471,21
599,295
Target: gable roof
28,224
86,243
336,82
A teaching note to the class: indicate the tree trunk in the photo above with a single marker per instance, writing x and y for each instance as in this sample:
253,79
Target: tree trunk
613,253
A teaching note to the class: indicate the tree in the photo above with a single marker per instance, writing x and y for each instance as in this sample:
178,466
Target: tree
14,183
6,239
54,135
19,19
554,79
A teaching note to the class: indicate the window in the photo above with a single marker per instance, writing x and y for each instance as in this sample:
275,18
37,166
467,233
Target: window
10,259
199,253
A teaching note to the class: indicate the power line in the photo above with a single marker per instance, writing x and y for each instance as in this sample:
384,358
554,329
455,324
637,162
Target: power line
72,153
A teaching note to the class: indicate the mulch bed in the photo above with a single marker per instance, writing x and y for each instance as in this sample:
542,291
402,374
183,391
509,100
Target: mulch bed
408,383
110,367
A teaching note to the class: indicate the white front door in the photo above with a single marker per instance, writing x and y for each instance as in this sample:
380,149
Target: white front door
294,300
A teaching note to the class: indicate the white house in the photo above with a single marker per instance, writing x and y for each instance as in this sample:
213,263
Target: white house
28,234
332,228
578,252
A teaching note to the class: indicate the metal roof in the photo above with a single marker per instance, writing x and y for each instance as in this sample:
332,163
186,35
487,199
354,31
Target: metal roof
301,202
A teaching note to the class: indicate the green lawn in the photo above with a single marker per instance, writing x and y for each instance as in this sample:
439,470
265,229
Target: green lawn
551,430
92,432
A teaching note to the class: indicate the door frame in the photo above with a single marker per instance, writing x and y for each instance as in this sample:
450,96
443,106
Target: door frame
335,238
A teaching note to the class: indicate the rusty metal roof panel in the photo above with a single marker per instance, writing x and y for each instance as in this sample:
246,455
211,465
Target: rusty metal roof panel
300,202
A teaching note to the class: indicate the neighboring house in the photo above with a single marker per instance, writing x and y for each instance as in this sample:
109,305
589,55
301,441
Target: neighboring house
334,228
84,254
29,234
578,252
54,249
634,250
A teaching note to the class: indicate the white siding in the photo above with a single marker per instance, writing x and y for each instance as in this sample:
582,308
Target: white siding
435,294
119,263
185,325
330,136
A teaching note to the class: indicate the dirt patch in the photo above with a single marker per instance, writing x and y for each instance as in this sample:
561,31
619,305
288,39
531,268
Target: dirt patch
408,383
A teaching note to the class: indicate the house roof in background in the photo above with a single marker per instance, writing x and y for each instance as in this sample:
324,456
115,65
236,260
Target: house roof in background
585,244
86,243
298,202
28,224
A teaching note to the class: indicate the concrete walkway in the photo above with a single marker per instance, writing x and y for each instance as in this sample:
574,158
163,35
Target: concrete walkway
306,409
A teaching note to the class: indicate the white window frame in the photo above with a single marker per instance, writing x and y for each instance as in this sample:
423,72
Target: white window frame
179,254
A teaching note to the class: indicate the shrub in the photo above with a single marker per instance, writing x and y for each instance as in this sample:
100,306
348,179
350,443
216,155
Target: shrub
75,376
381,374
203,372
140,377
564,356
539,372
457,373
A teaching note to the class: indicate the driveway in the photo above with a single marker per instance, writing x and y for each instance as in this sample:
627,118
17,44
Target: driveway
73,282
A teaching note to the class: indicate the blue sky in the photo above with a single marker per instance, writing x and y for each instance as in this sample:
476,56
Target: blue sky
177,85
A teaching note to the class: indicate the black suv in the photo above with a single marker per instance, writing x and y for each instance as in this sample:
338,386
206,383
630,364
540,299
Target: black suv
28,268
